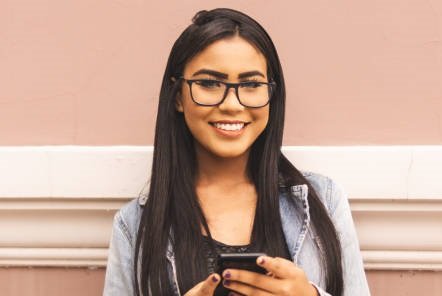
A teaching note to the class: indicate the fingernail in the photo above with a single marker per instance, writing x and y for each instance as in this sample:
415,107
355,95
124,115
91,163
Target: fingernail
261,260
227,274
232,294
214,279
226,282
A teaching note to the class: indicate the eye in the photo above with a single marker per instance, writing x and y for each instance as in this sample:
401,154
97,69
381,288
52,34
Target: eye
208,83
251,84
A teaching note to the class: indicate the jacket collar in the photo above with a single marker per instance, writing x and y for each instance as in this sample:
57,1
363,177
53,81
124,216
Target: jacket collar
295,218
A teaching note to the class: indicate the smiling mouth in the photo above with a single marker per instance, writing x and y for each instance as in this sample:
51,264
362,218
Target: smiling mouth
237,126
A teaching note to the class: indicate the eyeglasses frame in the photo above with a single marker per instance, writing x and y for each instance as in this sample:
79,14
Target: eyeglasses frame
229,85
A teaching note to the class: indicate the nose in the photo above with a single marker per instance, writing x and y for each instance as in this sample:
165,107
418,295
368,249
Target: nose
231,102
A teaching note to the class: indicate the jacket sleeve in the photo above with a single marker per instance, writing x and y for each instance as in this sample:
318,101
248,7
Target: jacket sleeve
320,291
119,280
355,282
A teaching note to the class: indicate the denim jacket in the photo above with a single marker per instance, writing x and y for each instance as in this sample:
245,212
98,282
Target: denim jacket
301,240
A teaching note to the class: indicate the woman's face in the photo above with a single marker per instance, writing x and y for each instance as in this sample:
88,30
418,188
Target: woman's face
229,129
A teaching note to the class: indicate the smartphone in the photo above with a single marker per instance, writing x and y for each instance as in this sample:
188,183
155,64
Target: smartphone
246,261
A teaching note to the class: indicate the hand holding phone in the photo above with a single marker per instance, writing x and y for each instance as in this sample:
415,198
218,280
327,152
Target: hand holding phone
245,261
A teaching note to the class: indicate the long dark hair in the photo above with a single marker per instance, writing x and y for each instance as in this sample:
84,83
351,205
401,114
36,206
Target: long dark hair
172,211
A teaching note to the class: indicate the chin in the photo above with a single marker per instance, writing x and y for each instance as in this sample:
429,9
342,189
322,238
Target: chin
229,153
223,150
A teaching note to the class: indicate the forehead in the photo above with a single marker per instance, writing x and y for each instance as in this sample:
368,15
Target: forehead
231,55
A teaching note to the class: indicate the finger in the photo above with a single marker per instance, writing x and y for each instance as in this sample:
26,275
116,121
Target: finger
279,267
209,285
244,289
260,281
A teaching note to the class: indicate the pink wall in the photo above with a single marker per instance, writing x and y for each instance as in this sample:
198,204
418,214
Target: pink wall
89,72
87,282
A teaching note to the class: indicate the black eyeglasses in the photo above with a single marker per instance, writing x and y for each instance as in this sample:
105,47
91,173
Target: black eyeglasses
211,92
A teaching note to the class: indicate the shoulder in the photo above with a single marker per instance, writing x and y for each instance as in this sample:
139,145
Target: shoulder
328,191
127,219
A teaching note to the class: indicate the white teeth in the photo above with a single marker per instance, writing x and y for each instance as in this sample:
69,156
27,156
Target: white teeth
229,127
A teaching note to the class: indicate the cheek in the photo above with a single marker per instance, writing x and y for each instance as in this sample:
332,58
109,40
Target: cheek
261,116
195,116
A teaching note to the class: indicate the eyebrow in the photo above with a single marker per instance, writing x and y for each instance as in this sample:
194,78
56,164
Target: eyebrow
250,74
225,76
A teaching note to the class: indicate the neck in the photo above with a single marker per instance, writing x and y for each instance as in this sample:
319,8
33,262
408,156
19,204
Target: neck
222,171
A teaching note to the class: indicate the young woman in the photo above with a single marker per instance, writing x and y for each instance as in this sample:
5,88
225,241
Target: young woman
219,182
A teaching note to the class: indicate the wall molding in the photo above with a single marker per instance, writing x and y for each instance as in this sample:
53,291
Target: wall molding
72,257
399,234
47,219
402,260
120,171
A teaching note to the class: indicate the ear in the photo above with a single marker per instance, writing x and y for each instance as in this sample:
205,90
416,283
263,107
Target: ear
179,103
178,99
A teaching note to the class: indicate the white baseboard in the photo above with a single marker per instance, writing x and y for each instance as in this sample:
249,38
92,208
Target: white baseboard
120,171
402,260
75,232
97,257
72,257
57,203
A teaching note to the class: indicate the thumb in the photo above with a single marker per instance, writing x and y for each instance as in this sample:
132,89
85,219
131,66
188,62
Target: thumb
279,267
